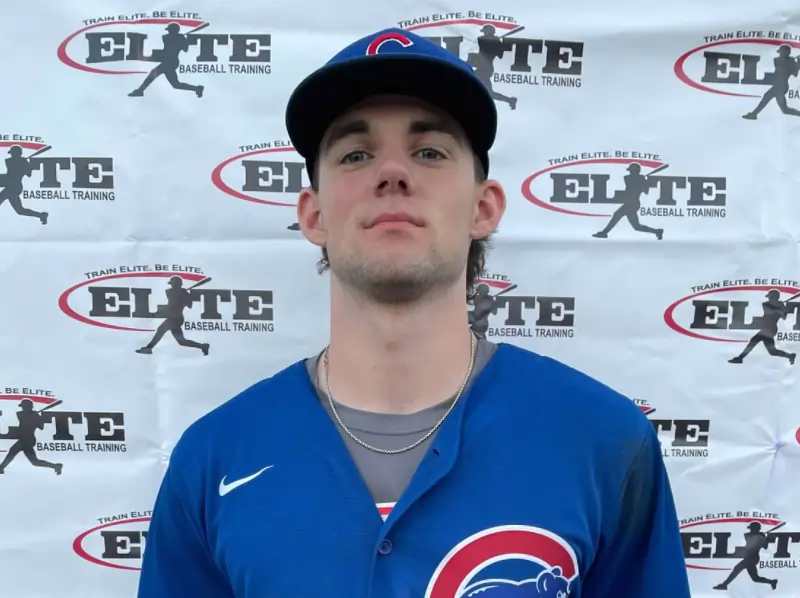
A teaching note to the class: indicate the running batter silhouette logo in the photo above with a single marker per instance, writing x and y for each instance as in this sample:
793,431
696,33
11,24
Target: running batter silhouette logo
725,545
636,184
479,566
502,53
755,67
34,175
269,173
168,59
18,168
129,298
637,187
749,312
30,421
170,44
484,304
42,427
773,311
516,314
178,299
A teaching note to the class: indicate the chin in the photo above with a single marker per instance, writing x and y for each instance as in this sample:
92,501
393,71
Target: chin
400,258
397,260
395,276
395,266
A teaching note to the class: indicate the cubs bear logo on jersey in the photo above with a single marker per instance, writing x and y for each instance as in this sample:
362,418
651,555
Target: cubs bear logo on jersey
472,568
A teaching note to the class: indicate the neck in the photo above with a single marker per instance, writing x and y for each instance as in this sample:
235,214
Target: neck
397,359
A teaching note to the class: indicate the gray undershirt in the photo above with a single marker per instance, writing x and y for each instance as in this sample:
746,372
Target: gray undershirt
387,476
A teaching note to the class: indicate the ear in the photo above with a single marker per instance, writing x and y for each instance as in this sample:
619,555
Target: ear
309,217
489,209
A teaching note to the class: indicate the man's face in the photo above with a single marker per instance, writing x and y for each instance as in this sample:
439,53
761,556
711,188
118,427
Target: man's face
398,202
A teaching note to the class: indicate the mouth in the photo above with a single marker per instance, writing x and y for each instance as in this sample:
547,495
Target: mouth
395,220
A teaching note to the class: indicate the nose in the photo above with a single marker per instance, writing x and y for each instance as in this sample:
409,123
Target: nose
393,177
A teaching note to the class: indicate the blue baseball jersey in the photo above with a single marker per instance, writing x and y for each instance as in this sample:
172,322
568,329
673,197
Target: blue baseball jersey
542,482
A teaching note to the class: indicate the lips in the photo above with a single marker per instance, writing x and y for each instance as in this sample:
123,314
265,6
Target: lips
395,218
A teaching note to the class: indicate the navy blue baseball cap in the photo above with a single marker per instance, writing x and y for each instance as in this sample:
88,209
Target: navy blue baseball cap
397,62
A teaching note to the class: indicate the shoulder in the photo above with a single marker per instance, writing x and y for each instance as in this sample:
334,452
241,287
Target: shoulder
568,397
542,373
252,413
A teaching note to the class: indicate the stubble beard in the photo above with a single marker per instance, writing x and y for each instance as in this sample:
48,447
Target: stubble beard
397,284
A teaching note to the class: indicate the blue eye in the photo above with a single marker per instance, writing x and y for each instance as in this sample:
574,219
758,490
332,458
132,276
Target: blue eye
428,153
347,158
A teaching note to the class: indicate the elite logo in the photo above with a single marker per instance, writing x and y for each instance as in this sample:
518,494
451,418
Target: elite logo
729,544
168,43
753,67
521,315
749,312
34,421
125,298
503,57
269,173
625,185
226,488
118,541
33,174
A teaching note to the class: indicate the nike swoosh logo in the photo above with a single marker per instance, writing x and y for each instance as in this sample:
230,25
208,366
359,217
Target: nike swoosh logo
225,488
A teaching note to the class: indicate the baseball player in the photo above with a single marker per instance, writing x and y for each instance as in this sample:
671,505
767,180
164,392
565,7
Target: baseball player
636,183
178,299
30,421
755,541
775,310
168,58
410,458
484,305
786,66
17,168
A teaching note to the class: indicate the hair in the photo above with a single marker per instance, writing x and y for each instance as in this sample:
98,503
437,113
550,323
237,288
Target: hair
478,248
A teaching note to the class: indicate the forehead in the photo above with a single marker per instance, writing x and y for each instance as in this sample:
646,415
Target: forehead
393,104
397,109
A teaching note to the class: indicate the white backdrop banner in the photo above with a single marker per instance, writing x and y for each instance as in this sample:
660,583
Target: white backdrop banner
131,166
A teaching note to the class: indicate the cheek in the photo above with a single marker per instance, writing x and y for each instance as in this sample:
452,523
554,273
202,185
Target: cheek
459,210
337,205
453,222
341,210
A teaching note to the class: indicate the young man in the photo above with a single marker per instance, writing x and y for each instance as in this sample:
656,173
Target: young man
411,459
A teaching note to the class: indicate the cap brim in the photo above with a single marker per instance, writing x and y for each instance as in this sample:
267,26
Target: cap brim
326,94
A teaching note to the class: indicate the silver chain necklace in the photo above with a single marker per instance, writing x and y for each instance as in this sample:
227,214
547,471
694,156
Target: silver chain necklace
421,440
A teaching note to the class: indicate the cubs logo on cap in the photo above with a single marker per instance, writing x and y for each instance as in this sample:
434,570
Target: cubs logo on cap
391,62
393,37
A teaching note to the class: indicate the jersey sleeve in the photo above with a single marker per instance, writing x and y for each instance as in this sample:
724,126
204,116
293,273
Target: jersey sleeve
644,556
177,561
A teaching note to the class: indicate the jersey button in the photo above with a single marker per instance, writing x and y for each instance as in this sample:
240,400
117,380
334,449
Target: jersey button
385,547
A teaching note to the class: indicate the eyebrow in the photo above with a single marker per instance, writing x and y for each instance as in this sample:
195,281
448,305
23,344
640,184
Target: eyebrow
360,127
437,125
343,130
